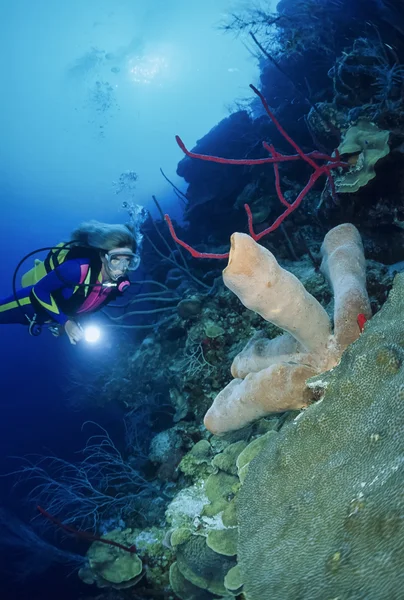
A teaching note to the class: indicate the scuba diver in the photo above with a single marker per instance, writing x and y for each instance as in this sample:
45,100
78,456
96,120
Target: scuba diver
76,278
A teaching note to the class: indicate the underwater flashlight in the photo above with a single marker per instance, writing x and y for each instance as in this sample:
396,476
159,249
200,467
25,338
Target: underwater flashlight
92,334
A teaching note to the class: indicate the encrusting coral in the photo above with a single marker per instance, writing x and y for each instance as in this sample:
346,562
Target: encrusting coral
109,566
320,512
205,541
271,374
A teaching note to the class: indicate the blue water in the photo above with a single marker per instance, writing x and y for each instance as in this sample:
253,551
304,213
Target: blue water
164,69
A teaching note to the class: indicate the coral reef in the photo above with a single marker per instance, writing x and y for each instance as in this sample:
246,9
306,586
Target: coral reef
321,507
193,550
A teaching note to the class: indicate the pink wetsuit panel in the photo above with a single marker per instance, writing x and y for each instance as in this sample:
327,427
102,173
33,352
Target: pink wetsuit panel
97,295
94,299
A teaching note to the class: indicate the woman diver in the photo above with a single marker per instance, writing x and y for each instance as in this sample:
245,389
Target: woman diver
76,278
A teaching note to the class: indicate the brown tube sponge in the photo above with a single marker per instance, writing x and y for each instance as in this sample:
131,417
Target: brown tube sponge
278,388
261,352
263,286
344,266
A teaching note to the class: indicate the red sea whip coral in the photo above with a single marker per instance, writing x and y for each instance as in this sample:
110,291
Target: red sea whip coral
331,162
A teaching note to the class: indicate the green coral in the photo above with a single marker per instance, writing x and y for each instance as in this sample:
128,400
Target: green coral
250,452
179,536
229,515
233,581
196,464
213,330
151,547
110,566
223,541
226,460
267,423
220,489
184,589
367,144
202,566
321,509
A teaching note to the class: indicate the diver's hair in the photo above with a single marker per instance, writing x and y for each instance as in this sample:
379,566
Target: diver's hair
104,236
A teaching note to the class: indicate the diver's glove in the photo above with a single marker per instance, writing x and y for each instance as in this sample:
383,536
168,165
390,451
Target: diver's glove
74,331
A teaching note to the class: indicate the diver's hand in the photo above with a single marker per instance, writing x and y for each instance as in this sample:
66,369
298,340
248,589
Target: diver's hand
74,332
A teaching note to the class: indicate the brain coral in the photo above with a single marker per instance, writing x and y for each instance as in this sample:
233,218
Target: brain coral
321,509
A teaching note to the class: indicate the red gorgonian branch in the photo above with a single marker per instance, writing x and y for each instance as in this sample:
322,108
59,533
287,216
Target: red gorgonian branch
85,535
331,162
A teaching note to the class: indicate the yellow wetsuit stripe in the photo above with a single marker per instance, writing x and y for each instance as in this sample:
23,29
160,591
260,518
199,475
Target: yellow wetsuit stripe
50,307
14,304
87,280
60,255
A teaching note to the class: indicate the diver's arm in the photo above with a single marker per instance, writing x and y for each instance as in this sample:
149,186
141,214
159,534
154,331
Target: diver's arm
67,276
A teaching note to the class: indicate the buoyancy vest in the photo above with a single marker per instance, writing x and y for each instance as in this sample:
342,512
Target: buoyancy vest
57,256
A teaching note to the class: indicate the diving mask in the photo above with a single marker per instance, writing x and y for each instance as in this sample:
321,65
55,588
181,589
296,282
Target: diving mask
122,260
